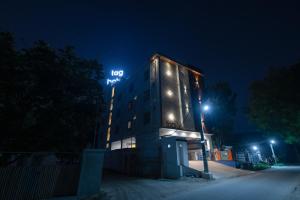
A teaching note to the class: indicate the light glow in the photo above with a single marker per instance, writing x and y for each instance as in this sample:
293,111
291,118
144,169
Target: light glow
171,117
272,141
255,148
169,93
206,108
168,73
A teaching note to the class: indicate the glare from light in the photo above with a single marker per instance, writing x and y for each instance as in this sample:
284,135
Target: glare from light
206,108
183,134
171,117
169,93
272,141
255,148
168,73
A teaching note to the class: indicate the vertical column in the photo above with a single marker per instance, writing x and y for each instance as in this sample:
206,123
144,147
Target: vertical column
111,106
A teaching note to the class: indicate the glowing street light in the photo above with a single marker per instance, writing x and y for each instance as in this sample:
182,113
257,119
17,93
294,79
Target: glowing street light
272,141
206,107
255,148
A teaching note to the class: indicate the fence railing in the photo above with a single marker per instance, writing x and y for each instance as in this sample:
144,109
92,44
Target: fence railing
25,180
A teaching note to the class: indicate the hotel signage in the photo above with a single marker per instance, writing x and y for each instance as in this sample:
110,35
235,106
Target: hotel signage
116,76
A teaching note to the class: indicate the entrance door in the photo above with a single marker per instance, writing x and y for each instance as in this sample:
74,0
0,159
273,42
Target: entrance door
180,152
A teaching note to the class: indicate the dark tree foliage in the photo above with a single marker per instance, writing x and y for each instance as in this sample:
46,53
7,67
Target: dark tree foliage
274,104
49,98
220,119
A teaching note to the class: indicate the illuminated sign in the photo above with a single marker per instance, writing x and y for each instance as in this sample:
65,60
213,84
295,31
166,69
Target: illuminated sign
116,77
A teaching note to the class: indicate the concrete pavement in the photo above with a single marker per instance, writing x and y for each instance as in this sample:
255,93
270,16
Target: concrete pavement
280,183
219,170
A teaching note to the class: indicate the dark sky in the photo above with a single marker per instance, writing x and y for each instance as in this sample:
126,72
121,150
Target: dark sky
235,42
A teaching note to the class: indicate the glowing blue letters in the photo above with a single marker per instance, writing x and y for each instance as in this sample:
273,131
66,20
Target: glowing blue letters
116,74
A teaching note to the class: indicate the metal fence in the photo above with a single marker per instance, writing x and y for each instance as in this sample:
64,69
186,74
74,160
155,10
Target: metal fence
38,181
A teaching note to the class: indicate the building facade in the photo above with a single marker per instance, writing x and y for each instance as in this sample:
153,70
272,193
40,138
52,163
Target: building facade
159,102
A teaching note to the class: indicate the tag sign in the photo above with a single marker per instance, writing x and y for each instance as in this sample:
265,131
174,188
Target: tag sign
116,74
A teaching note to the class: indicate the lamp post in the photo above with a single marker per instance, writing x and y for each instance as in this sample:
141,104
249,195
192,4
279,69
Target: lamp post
202,140
202,108
273,154
257,152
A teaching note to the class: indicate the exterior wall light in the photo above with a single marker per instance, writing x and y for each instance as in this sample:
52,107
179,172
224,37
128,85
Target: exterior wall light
169,93
171,117
168,73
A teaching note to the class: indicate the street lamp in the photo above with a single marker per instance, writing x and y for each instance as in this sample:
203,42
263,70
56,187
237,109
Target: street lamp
273,154
203,109
255,148
206,108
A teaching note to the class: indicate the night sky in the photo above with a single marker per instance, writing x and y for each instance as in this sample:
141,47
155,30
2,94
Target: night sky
235,42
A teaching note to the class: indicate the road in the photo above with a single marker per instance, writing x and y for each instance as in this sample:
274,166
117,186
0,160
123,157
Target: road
281,183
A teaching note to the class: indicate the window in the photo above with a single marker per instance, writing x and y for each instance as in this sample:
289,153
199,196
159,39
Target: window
146,117
129,124
116,145
130,105
134,117
146,95
119,97
111,105
128,143
109,118
131,87
113,92
108,134
118,113
117,130
146,75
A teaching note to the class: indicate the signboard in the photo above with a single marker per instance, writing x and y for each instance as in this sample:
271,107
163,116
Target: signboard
116,76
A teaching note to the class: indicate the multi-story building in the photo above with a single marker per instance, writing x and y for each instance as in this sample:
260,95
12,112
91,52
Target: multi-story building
160,101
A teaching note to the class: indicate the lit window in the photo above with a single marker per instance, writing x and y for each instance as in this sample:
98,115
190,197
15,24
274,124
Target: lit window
169,93
129,125
171,117
108,134
135,98
116,145
128,143
109,118
134,117
111,106
113,92
107,145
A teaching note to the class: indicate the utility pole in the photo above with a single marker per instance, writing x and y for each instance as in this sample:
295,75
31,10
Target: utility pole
273,154
206,173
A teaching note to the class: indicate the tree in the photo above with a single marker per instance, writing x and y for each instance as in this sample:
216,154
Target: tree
47,98
274,103
223,104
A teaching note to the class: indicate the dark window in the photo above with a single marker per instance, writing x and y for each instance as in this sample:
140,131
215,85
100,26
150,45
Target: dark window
117,130
146,75
118,113
131,87
130,105
146,95
119,97
147,117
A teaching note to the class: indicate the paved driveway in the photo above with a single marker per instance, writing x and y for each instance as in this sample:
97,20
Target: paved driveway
281,183
219,170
